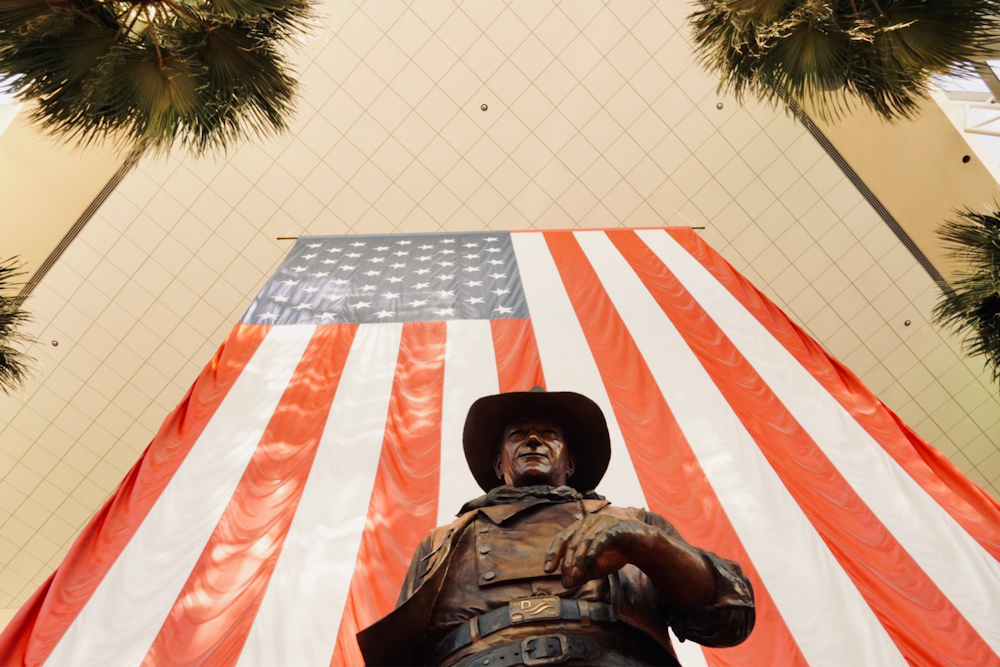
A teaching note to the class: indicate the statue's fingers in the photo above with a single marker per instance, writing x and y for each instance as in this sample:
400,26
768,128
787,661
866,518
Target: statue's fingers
581,559
600,542
557,548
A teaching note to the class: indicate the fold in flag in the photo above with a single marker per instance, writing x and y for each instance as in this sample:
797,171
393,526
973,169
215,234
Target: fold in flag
275,512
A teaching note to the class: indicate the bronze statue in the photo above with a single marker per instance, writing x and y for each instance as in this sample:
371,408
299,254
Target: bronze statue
542,570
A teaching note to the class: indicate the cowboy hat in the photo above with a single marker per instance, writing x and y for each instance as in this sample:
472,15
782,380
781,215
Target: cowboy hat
582,421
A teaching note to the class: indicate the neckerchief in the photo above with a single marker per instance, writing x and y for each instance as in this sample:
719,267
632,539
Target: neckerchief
506,494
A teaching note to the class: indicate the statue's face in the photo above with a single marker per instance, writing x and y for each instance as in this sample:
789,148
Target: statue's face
534,452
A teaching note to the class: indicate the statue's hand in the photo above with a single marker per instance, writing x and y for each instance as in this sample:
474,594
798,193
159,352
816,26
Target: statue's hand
595,547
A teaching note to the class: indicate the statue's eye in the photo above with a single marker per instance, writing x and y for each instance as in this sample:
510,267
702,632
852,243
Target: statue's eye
549,433
516,433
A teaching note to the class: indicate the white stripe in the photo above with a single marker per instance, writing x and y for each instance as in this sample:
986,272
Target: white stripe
120,621
821,606
300,615
470,372
957,563
569,365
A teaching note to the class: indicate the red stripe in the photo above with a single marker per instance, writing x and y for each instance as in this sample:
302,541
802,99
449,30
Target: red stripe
671,476
212,616
404,501
970,506
34,632
922,621
519,367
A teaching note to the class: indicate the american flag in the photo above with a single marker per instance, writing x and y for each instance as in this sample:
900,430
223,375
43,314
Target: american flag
275,512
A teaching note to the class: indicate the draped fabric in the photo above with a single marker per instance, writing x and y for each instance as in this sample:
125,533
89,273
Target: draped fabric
275,512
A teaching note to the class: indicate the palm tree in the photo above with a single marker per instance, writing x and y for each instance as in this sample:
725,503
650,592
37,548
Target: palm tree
882,53
14,363
972,307
203,73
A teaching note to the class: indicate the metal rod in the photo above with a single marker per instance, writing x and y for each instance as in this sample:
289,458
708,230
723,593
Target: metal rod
295,238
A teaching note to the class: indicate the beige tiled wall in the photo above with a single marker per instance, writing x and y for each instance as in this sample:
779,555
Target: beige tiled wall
596,116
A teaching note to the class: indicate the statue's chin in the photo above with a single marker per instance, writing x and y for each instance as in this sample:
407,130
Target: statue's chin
534,478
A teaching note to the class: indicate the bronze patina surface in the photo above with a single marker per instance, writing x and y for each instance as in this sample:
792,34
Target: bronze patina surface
538,572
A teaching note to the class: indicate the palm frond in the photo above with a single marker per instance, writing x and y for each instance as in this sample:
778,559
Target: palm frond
828,52
972,309
199,73
15,364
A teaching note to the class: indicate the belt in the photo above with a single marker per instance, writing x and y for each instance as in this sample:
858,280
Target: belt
541,650
519,612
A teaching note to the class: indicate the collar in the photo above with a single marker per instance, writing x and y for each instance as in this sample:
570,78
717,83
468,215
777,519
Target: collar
503,502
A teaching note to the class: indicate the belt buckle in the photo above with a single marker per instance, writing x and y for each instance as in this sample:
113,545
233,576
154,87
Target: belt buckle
545,659
527,610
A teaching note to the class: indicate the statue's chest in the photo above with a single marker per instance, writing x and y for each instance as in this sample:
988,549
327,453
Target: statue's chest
515,548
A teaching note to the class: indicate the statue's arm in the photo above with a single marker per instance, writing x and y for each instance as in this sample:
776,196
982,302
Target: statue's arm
724,619
416,570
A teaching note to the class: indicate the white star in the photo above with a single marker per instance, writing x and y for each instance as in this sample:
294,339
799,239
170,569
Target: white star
310,290
404,242
421,272
471,269
327,316
358,244
390,295
268,316
333,297
471,245
338,281
321,274
352,255
472,256
384,313
308,256
421,285
418,302
335,250
315,245
498,275
448,241
498,292
474,300
474,283
303,306
394,279
381,248
491,238
299,269
362,304
401,253
377,259
444,311
280,299
493,250
425,247
371,273
368,288
447,252
446,263
329,261
289,282
444,293
423,259
503,310
347,268
451,277
397,266
494,262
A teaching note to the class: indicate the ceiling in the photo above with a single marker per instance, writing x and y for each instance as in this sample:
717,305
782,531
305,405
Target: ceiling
427,115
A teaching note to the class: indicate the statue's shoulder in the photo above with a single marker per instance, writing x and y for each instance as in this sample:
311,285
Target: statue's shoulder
442,534
605,507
